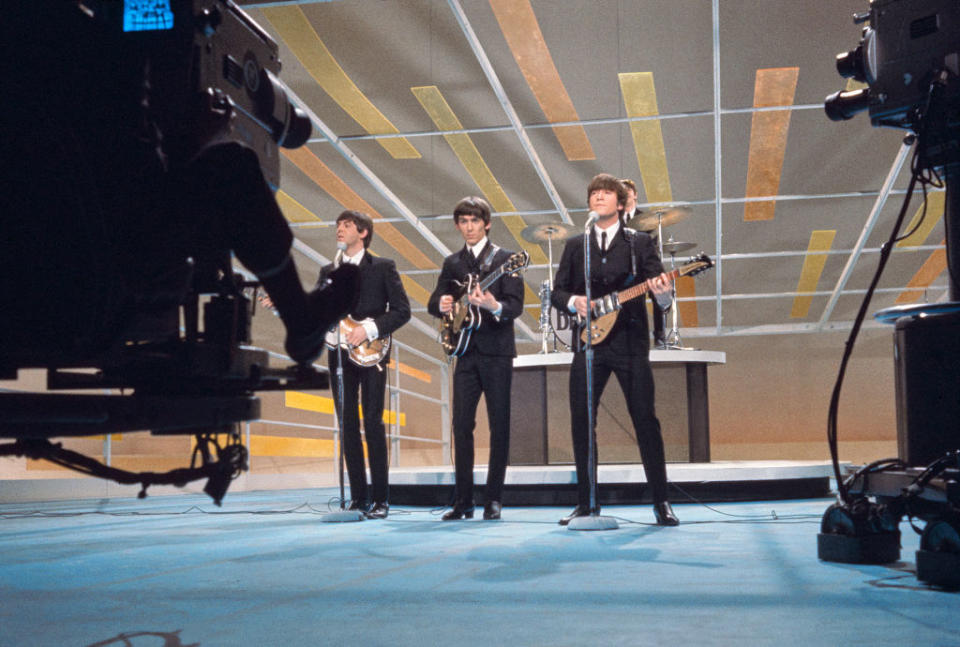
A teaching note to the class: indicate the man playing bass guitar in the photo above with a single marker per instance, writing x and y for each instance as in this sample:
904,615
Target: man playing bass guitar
486,366
381,309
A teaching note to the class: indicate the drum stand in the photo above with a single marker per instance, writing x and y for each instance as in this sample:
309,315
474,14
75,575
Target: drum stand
548,232
672,339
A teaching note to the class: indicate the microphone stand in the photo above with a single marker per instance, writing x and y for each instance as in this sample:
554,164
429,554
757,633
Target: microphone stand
594,521
341,515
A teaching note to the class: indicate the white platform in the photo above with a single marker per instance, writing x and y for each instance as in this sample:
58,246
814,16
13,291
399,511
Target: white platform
626,473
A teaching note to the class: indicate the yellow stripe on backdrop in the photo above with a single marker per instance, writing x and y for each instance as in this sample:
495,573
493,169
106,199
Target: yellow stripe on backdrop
934,207
322,404
299,35
640,100
820,241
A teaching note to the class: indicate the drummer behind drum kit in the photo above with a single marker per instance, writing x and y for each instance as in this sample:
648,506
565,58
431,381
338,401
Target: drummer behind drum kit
556,327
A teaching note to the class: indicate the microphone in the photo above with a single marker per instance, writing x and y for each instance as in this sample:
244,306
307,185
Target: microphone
341,248
592,217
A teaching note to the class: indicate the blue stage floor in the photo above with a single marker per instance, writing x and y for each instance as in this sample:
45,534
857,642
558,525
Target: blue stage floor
263,570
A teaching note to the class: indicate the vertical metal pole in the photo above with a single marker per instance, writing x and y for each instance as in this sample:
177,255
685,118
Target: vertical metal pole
107,444
718,165
246,442
445,412
395,407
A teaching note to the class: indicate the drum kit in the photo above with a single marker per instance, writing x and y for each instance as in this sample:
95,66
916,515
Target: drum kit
551,232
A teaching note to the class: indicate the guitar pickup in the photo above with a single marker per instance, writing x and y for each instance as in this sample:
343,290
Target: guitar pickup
607,304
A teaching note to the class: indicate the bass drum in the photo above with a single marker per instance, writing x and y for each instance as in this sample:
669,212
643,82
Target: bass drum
563,326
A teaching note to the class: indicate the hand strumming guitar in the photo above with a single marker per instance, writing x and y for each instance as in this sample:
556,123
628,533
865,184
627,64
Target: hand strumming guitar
484,300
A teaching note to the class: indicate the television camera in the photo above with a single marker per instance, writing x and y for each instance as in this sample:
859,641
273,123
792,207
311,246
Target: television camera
909,60
145,138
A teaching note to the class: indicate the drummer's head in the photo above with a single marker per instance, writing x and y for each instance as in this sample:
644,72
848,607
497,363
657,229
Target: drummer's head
631,193
473,206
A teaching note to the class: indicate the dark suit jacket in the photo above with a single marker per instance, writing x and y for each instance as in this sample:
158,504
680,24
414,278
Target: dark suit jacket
493,337
382,296
611,272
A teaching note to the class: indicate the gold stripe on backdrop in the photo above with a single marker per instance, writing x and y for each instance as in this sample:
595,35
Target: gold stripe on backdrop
322,404
299,35
522,31
768,138
935,204
640,100
293,210
261,445
466,151
820,241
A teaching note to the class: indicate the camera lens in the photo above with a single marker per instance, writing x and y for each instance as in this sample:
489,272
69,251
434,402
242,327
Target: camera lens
850,64
841,106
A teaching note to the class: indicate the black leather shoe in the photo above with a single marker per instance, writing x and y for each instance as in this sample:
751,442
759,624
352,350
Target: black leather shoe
579,511
491,511
459,511
358,505
664,514
326,305
378,511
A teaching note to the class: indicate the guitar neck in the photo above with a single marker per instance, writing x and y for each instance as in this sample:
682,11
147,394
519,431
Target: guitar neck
488,281
642,288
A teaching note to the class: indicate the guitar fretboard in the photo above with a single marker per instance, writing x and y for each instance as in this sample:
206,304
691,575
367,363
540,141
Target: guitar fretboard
642,288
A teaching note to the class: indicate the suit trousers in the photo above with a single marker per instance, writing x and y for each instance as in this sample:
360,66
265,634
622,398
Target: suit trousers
477,375
367,382
635,376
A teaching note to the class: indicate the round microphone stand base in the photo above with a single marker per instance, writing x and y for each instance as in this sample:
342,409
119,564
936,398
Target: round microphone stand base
342,516
593,522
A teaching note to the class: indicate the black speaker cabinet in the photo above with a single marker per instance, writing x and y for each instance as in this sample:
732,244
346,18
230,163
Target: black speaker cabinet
927,357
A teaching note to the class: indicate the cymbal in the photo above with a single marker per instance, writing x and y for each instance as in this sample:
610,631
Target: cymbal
661,216
675,246
548,231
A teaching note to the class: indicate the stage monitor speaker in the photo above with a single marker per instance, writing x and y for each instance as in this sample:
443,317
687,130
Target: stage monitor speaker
927,358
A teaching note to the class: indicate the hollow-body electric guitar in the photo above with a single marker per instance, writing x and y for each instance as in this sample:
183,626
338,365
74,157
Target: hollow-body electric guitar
458,325
369,353
607,308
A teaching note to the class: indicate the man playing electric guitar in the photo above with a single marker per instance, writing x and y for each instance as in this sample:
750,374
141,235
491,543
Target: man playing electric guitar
381,309
619,258
486,366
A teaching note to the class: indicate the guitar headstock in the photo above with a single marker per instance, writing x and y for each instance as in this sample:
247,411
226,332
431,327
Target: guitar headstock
696,264
516,262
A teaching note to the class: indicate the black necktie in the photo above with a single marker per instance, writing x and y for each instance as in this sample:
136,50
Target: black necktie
603,242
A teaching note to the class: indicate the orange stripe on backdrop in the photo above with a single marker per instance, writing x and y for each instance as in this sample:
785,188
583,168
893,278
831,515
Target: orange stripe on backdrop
327,180
927,274
768,138
522,32
687,310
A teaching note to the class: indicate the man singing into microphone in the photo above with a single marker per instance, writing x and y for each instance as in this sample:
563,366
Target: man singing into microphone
619,258
382,308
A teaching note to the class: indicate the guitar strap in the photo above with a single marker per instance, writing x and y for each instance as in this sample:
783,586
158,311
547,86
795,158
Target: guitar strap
487,262
630,236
